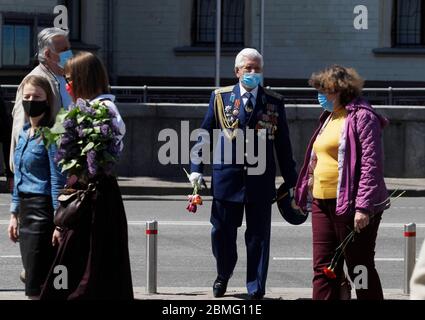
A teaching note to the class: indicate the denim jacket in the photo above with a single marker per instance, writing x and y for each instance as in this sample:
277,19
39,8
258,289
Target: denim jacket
35,169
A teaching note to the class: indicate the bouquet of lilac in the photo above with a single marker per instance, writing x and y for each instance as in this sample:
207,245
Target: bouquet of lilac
87,139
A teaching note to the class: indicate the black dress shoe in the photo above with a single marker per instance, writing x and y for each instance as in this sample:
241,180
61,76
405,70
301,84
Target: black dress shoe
219,287
256,296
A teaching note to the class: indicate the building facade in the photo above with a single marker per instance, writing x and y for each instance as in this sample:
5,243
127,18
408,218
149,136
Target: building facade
171,42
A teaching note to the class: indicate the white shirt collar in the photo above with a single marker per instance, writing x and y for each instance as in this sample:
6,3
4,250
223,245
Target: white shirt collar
104,96
253,92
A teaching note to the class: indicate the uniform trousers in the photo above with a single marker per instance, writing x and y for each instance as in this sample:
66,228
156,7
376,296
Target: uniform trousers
226,218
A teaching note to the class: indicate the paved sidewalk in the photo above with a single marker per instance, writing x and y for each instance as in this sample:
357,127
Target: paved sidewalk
177,186
180,186
167,293
170,186
202,293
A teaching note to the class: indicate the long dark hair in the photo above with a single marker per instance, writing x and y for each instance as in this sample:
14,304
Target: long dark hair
88,75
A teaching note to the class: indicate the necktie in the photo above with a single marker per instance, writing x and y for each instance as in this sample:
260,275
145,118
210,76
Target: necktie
248,105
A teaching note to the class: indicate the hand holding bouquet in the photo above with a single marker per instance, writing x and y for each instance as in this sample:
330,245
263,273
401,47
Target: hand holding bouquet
87,138
194,198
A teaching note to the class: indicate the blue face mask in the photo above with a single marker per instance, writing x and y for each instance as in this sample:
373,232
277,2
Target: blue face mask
251,80
325,103
64,57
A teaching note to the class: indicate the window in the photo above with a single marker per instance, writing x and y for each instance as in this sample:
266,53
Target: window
409,23
19,37
16,45
232,22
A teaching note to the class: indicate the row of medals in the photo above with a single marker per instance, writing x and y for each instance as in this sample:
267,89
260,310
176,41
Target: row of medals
268,121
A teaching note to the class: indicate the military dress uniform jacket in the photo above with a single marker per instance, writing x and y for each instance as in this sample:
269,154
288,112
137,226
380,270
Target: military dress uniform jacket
231,180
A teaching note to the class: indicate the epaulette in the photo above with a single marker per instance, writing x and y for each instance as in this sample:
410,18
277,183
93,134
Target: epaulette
224,89
273,94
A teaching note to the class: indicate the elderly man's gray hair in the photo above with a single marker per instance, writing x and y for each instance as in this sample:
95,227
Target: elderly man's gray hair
249,53
45,40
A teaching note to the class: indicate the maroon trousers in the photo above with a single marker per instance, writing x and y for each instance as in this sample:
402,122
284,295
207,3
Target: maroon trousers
329,230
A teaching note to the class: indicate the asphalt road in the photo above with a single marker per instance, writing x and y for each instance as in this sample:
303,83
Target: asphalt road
185,258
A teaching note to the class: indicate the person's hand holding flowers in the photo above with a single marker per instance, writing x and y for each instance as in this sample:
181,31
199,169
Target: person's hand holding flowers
194,199
361,220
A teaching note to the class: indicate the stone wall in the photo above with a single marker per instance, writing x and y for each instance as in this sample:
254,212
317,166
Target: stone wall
404,139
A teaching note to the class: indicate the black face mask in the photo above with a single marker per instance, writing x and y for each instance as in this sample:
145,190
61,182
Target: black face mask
35,108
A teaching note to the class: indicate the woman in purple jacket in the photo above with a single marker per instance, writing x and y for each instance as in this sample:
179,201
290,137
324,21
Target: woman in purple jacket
342,184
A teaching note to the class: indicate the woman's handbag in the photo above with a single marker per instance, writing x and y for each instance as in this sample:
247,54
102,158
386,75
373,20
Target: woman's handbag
72,204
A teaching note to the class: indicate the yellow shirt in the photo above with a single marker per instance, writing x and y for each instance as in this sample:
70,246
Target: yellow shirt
325,175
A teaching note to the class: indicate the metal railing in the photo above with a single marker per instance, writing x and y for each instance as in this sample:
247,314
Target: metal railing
195,94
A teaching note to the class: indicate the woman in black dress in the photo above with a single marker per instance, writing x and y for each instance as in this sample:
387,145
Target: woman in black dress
95,253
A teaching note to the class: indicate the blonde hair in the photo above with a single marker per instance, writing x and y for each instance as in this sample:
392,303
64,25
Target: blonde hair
338,79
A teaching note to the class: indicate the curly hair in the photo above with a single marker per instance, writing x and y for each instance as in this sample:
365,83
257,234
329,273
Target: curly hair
338,79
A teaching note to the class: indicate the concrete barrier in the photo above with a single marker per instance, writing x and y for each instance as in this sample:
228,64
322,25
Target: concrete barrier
404,139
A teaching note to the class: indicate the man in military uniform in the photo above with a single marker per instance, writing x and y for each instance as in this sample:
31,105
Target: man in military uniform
235,110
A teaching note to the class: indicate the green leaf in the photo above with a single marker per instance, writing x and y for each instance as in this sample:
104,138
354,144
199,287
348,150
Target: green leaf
87,131
87,148
58,128
62,114
47,136
96,129
80,119
89,119
99,146
72,114
69,165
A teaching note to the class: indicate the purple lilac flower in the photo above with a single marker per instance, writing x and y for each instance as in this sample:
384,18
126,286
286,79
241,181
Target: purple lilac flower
69,124
114,147
91,111
91,162
67,138
85,107
60,154
104,129
80,131
88,110
80,103
112,113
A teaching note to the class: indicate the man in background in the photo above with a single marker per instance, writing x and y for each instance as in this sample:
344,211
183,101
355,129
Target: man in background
53,52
